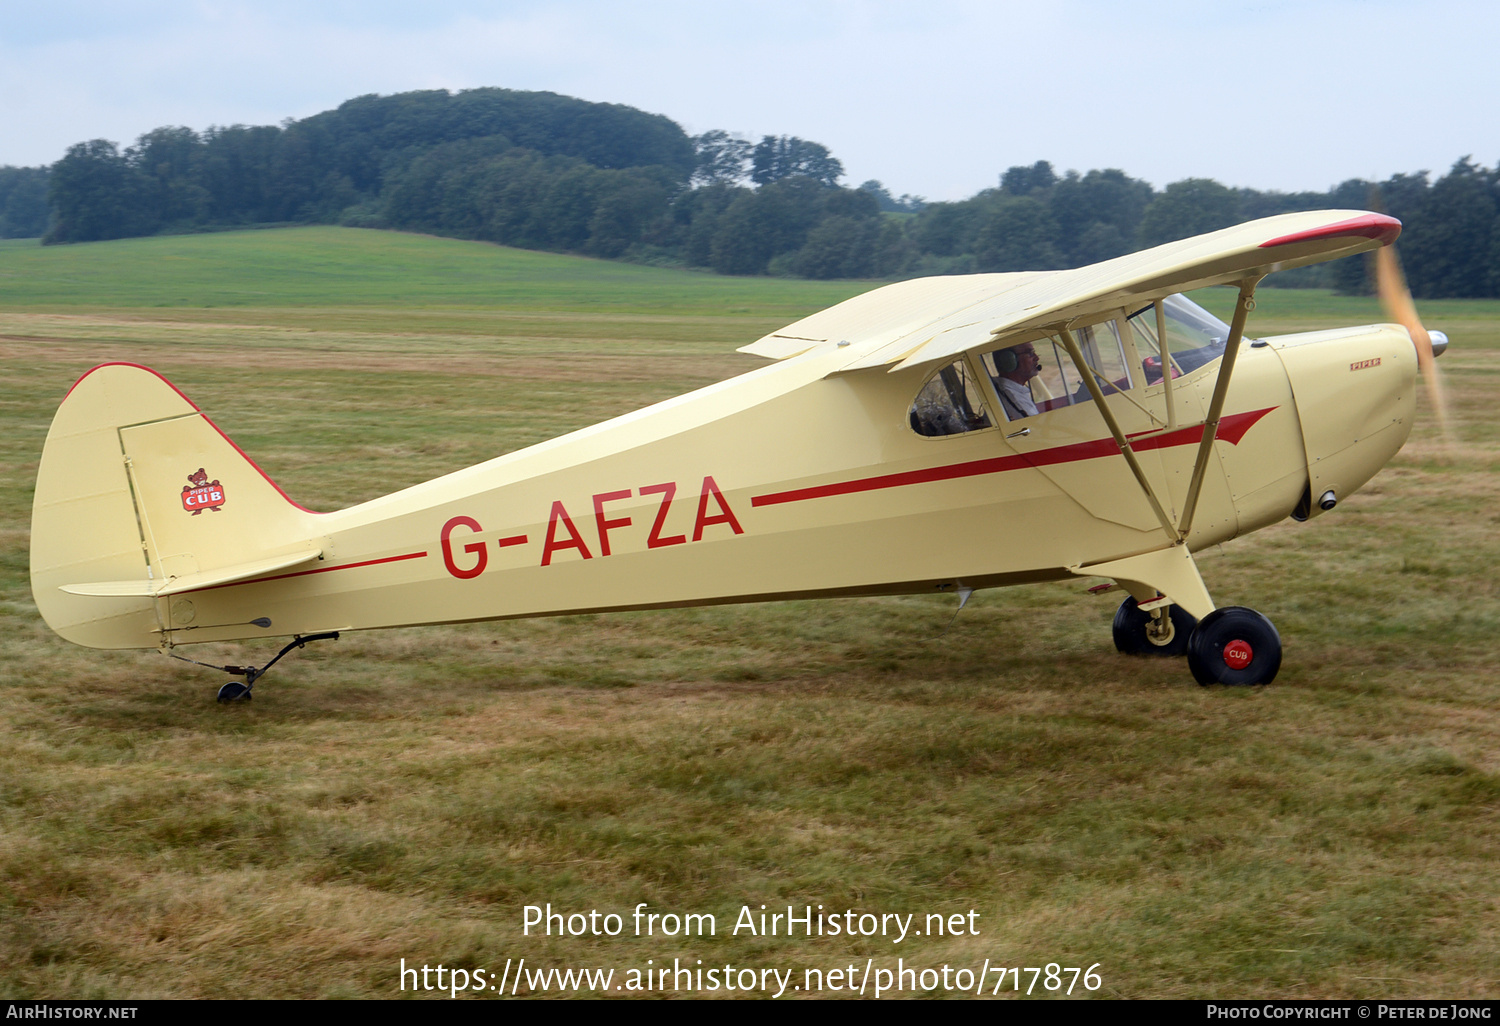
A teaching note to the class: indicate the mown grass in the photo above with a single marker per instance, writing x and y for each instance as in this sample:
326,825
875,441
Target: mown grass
405,793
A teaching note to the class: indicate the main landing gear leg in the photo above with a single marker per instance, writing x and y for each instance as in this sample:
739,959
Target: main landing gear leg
1160,631
1166,598
1233,645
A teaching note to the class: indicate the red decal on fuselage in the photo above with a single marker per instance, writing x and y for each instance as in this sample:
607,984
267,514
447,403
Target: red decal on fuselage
568,536
666,491
724,517
477,547
575,540
603,524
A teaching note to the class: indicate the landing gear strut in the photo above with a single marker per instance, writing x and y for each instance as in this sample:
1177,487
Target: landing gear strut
1161,632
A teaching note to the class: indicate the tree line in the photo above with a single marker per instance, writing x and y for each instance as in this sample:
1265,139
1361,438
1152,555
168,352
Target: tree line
1036,219
23,202
542,171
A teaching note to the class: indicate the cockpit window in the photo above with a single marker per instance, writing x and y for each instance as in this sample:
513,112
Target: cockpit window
950,403
1057,383
1194,336
1103,353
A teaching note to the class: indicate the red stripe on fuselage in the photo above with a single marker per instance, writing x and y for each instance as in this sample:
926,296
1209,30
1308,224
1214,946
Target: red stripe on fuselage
304,573
1231,430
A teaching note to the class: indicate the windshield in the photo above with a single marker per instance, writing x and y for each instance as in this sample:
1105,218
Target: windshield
1194,336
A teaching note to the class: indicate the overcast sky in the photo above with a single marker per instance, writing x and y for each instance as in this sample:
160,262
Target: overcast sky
933,98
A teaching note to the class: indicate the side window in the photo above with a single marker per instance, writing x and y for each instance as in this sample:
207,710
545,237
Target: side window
1056,382
949,404
1046,388
1103,352
1050,382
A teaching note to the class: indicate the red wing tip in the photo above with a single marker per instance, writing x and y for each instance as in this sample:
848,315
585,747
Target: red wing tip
1379,227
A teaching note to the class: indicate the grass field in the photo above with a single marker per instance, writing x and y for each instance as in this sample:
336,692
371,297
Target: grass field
321,267
404,794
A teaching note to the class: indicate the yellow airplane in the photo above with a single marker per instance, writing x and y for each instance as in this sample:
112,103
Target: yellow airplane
932,436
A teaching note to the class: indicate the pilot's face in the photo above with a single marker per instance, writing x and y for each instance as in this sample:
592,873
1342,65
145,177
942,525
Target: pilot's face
1028,363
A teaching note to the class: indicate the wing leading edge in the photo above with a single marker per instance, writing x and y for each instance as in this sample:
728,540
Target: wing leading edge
929,319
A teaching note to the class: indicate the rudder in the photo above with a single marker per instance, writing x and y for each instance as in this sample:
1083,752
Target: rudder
121,514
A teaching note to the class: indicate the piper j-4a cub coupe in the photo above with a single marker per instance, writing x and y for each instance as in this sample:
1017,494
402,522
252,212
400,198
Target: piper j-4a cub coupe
936,435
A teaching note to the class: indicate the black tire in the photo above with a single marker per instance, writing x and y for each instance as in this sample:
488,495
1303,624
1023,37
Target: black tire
1234,646
1132,639
234,691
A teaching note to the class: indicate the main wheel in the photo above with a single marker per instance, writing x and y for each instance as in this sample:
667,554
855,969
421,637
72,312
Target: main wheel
1133,638
234,691
1236,646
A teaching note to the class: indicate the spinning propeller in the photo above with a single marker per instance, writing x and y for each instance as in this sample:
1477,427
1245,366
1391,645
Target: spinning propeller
1396,298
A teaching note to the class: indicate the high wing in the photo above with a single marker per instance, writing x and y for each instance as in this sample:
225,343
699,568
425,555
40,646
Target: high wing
931,319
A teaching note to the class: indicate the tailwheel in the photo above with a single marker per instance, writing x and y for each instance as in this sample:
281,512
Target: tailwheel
1235,646
234,691
1164,632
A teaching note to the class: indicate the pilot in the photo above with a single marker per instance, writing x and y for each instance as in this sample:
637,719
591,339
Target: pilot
1015,367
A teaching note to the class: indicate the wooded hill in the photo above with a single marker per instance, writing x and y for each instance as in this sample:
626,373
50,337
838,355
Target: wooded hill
542,171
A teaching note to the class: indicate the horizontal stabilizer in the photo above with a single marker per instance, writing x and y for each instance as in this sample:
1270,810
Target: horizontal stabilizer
192,582
113,589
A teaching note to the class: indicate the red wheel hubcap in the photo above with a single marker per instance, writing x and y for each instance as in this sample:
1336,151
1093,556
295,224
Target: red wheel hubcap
1237,655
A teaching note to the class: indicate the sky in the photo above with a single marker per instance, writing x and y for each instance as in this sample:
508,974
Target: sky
932,98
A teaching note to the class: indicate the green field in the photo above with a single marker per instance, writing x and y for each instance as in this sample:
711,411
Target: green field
404,794
324,267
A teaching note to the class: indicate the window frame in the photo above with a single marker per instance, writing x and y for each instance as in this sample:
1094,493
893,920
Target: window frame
973,388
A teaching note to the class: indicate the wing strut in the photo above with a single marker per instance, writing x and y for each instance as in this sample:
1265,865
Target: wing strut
1176,534
1087,373
1242,309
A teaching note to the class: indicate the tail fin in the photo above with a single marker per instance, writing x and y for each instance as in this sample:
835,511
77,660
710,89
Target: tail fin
140,496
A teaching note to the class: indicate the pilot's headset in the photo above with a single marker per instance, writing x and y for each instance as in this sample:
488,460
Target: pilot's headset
1006,361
